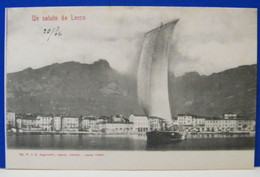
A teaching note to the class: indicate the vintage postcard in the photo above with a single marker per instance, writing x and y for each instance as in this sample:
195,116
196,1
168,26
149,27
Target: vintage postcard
130,88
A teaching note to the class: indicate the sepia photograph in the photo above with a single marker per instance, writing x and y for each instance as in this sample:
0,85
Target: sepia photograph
130,79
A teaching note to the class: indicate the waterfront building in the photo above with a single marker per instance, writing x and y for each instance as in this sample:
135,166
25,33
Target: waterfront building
140,123
70,123
88,123
227,124
230,116
216,124
156,123
245,124
211,124
93,125
25,121
198,123
10,120
29,123
186,121
45,122
135,123
57,123
116,127
84,124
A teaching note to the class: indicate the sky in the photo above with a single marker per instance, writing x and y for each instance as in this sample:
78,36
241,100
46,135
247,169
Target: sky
205,40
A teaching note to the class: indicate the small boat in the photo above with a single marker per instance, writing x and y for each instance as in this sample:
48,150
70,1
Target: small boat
173,134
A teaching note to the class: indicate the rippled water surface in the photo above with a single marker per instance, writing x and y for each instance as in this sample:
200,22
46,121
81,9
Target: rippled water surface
127,142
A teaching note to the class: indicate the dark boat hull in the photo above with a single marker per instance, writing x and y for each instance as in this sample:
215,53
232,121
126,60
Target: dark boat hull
158,137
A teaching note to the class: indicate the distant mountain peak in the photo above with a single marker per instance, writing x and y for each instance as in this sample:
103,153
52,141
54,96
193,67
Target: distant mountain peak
70,62
102,62
28,69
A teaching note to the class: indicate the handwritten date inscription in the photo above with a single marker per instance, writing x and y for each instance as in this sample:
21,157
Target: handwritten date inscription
52,32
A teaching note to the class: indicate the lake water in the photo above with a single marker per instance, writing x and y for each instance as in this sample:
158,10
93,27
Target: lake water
127,142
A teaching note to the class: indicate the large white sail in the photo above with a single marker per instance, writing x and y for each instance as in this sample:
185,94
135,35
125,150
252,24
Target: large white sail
152,76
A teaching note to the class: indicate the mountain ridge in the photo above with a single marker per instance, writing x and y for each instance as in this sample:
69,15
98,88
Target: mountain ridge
98,89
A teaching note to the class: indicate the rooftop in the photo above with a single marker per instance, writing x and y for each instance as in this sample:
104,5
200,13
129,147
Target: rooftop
115,123
155,117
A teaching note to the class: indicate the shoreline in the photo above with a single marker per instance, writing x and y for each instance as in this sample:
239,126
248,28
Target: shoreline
189,135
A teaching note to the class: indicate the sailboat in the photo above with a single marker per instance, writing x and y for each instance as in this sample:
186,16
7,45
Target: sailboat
152,82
